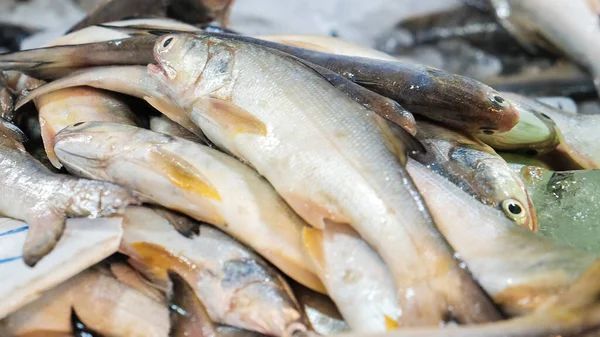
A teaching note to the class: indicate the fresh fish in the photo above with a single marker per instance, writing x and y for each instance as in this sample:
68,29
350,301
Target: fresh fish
421,90
164,125
130,80
534,134
44,200
572,27
356,278
101,303
64,107
578,134
194,179
478,170
310,131
320,311
522,271
130,277
235,285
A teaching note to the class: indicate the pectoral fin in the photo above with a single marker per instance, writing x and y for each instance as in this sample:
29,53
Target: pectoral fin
390,324
45,229
182,174
174,113
230,117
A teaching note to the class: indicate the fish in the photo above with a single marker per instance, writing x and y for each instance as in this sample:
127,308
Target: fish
320,311
234,284
99,301
201,11
578,134
304,129
194,179
44,199
419,89
478,170
130,80
357,280
64,107
164,125
522,271
571,28
534,134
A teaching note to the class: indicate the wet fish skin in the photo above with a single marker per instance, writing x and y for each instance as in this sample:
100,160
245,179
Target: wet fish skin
164,125
534,276
44,200
336,154
194,179
235,285
478,170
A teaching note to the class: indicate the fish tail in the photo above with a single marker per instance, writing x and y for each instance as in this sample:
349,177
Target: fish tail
44,232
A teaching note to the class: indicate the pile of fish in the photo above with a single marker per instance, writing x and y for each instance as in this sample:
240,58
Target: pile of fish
162,178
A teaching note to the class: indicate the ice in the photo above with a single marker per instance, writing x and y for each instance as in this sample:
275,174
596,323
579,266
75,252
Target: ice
568,206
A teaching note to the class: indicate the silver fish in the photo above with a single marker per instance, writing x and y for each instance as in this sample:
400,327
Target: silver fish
235,285
302,129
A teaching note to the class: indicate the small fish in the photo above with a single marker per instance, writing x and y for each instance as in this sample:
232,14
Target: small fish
298,137
356,278
99,302
478,170
130,80
44,199
522,271
194,179
64,107
534,134
320,311
235,285
578,134
572,27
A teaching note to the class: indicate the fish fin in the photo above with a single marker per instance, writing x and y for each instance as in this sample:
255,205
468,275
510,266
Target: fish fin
183,224
230,117
47,139
175,113
312,212
390,324
194,319
182,174
45,229
398,140
312,239
129,276
295,270
143,30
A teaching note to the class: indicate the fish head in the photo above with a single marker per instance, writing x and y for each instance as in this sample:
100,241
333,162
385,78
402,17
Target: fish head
480,109
505,190
91,146
181,59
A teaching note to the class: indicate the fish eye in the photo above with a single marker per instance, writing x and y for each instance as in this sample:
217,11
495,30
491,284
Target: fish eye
514,210
498,101
167,42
